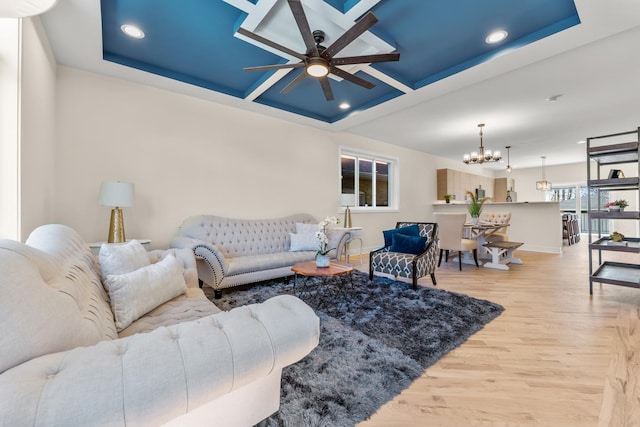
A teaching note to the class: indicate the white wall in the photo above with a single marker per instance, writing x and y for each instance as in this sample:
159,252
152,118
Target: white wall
187,156
559,175
37,128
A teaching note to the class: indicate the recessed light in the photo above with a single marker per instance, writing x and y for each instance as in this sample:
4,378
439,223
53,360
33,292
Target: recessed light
496,36
581,142
132,31
344,106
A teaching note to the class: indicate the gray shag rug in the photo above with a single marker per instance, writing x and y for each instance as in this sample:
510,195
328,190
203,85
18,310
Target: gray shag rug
376,338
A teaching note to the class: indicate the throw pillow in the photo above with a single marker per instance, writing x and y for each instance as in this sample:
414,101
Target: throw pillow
408,244
304,242
138,292
117,258
409,230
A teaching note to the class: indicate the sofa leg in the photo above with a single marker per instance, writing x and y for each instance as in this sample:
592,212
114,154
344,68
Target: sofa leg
200,283
217,293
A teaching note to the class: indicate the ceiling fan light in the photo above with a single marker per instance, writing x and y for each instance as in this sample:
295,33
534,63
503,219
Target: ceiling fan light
317,67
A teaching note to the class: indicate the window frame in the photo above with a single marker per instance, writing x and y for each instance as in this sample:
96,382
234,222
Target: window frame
393,179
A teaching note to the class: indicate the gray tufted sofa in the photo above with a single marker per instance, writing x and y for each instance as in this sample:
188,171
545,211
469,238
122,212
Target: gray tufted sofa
232,252
63,362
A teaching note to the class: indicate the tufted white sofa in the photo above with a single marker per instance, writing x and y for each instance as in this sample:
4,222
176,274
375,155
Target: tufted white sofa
232,252
62,362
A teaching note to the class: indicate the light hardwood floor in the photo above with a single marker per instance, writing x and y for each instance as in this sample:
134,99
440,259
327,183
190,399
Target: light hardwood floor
554,357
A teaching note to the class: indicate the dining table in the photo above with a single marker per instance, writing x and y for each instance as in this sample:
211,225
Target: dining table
479,232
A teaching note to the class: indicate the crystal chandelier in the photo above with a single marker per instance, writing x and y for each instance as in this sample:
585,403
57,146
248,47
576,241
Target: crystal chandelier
482,155
543,185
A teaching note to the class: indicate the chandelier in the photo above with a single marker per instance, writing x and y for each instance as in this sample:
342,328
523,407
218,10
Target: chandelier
543,185
482,155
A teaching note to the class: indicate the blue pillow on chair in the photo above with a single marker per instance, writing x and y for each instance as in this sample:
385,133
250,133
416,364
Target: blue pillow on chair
409,230
408,244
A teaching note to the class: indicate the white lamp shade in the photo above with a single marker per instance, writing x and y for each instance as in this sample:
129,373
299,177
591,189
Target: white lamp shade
24,8
116,193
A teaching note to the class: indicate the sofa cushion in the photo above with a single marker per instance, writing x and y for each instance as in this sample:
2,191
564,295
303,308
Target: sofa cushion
138,292
192,305
248,264
121,258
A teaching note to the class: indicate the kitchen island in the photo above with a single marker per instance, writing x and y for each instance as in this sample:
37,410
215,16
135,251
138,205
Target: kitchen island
537,224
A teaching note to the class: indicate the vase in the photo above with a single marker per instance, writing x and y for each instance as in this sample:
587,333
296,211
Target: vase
322,261
615,209
474,220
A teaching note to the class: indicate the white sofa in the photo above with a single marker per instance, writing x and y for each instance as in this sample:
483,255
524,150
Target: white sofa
63,363
232,252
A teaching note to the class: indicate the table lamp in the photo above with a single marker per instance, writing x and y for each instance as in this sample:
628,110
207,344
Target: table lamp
117,195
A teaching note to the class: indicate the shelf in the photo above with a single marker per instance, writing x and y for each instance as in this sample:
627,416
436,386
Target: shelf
615,215
615,153
615,183
618,273
630,244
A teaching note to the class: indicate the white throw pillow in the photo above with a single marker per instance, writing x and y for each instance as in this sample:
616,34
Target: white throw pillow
121,258
138,292
304,242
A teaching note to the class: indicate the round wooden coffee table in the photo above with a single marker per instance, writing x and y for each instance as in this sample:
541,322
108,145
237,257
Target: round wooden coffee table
336,269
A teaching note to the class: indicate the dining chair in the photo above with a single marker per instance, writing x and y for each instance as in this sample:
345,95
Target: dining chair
497,218
451,227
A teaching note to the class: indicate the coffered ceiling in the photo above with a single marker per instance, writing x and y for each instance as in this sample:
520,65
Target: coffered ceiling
448,79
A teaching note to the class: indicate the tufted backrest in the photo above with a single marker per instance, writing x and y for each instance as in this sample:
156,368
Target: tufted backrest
496,217
242,237
51,296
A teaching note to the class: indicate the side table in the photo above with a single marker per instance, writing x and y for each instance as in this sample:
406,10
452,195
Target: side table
95,246
356,234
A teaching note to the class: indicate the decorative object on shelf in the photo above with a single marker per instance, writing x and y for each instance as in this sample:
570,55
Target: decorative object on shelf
615,174
116,195
481,156
543,185
475,206
509,169
616,237
447,198
24,8
617,206
322,257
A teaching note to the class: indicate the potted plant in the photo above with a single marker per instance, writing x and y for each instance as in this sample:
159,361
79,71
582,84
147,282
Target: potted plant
447,198
618,205
322,256
475,206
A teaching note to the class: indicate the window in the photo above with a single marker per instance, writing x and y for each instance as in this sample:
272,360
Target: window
367,180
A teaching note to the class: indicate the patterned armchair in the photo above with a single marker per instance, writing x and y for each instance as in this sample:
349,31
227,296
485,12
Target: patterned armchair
411,266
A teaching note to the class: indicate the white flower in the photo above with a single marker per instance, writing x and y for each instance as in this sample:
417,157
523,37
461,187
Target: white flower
321,234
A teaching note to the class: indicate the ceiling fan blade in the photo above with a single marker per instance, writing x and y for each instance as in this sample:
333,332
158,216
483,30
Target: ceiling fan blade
326,88
294,82
303,26
352,78
351,34
274,67
366,59
268,42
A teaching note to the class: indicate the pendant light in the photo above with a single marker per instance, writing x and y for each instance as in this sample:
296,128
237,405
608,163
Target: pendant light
509,169
543,185
481,156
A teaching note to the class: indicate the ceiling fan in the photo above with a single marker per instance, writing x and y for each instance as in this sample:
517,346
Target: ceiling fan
320,61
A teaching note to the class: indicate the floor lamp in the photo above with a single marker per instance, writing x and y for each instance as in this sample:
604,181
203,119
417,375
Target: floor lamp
116,195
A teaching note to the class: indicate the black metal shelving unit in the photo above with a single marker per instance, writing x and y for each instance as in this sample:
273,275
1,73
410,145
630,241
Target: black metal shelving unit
608,154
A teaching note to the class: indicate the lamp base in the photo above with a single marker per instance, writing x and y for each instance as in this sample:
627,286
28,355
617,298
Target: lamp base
116,227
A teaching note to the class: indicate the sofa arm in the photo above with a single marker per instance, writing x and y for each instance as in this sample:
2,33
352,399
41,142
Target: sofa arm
185,258
213,266
152,378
